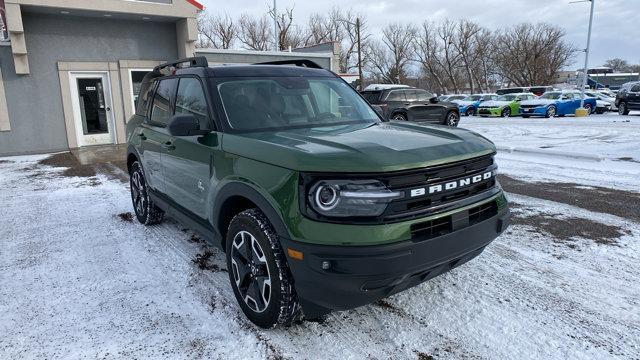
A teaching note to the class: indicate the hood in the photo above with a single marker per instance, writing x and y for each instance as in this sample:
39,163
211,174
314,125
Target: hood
495,103
538,102
380,147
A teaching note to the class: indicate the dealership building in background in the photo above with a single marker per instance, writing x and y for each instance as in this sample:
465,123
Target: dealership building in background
70,69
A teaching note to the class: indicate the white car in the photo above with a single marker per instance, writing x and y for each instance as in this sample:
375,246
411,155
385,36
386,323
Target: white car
604,103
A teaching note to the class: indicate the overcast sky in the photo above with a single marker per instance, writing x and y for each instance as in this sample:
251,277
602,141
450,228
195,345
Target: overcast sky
616,31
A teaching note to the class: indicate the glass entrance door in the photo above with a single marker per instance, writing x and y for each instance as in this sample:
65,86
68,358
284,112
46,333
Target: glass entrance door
92,108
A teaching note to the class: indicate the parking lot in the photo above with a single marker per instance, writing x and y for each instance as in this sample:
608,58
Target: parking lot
81,278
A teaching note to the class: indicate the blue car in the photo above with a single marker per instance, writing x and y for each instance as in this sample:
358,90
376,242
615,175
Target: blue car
469,105
556,103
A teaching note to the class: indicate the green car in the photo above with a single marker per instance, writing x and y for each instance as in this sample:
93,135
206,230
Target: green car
317,203
505,106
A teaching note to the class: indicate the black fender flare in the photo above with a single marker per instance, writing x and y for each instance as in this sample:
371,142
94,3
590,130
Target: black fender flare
241,189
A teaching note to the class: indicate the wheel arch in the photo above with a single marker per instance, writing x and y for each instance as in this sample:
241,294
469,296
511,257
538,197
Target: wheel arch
235,197
132,156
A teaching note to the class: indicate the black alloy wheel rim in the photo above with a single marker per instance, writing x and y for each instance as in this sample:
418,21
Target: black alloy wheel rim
452,119
250,271
138,192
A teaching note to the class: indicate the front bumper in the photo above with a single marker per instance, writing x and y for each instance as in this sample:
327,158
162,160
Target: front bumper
489,112
536,111
360,275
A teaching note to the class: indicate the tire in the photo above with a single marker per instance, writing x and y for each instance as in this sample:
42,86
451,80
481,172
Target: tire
506,112
622,109
146,211
589,108
551,111
599,111
452,119
259,275
399,117
470,112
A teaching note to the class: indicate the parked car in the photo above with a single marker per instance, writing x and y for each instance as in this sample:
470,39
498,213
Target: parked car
452,97
603,103
628,98
470,104
556,103
539,90
411,104
513,90
607,93
317,203
505,106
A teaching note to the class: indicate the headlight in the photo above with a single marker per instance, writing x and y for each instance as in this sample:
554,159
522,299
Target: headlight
344,198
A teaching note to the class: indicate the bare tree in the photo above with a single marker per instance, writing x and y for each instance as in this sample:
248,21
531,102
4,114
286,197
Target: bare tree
532,54
255,33
289,34
391,58
219,32
427,49
619,65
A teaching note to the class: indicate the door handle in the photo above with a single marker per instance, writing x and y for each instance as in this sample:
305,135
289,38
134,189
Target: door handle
168,145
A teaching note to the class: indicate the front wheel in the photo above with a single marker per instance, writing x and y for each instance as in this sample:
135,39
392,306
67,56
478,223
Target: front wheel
146,211
551,112
452,119
506,112
622,109
470,111
258,271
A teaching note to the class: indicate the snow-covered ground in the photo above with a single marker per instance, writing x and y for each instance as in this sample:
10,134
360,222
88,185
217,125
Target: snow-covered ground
601,150
80,279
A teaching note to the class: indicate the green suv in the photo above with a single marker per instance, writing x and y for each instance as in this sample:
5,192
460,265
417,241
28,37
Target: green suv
318,204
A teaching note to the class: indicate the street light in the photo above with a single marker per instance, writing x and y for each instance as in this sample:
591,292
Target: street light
581,112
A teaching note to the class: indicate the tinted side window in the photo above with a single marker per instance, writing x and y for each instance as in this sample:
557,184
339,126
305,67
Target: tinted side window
161,109
190,99
423,95
144,97
411,95
397,95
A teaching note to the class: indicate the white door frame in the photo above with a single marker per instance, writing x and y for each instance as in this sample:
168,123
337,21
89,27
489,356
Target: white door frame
132,95
97,139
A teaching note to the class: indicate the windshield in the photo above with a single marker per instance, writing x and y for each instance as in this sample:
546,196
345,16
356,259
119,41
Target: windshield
278,103
507,98
551,95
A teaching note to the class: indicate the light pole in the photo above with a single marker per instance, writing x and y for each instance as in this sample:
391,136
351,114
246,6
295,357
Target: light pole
276,36
586,55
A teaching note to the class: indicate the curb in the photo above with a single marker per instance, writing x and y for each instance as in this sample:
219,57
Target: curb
573,155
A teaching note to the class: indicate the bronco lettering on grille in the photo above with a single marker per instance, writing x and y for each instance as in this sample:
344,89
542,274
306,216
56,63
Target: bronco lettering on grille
452,185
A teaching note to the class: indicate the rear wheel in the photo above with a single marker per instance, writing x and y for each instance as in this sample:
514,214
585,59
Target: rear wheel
551,111
506,112
452,119
589,108
258,271
146,211
399,117
622,109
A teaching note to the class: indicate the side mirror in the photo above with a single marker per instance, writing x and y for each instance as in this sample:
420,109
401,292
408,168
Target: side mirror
433,100
185,125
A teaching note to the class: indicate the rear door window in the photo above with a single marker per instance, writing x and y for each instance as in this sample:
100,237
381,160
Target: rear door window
161,111
397,95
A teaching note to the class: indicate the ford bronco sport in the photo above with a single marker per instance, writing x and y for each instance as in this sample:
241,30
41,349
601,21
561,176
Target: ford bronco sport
318,204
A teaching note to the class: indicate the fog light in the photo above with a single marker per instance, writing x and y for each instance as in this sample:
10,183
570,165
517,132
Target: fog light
326,265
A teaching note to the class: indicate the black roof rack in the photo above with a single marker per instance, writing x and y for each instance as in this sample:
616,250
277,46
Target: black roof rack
198,61
299,62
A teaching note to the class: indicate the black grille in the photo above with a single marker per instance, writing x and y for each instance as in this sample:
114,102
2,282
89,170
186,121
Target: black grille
529,106
444,225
